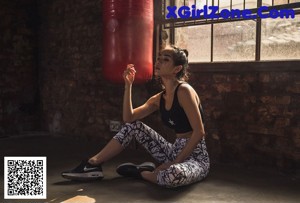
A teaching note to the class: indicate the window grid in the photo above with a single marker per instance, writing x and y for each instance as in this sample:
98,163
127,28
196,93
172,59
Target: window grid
171,24
174,23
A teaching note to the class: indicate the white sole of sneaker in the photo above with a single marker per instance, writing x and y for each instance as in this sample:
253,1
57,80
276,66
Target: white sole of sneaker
145,164
83,176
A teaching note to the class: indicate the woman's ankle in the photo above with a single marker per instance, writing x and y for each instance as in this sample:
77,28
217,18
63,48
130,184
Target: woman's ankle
93,161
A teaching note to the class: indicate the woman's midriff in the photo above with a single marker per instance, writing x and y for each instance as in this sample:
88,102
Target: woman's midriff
184,135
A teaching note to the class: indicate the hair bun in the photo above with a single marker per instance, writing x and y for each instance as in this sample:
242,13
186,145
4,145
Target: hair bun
186,52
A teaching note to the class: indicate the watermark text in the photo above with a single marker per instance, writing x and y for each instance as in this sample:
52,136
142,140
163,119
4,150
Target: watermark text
212,12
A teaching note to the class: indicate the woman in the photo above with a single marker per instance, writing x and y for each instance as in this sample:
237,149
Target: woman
186,160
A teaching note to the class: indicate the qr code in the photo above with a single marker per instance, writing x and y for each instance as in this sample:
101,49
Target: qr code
25,177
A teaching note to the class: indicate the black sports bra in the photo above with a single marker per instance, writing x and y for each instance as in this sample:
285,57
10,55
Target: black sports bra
176,118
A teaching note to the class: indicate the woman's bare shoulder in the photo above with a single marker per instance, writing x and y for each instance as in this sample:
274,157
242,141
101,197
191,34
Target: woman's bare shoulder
186,88
187,91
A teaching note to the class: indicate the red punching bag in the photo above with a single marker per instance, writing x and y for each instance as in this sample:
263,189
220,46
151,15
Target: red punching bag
128,38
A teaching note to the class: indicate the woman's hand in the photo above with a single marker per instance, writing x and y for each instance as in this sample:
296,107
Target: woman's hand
129,74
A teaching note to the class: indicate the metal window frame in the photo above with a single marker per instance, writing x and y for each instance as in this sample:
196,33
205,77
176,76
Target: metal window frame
174,23
171,24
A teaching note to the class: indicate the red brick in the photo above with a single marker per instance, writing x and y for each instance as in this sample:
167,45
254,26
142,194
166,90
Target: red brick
293,89
281,77
264,131
296,136
282,122
284,100
268,99
264,77
222,88
218,78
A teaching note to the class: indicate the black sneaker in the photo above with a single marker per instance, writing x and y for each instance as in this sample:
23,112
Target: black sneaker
85,172
133,170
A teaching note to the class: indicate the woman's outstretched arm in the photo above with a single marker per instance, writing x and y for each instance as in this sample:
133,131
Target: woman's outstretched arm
130,114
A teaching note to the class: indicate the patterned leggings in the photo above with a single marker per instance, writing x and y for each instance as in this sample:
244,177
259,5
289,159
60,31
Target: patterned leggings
193,169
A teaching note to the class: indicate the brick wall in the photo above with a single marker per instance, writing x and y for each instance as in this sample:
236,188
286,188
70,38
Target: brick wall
18,67
76,100
253,115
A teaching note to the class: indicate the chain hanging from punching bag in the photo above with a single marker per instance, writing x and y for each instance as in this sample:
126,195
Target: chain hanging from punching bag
128,39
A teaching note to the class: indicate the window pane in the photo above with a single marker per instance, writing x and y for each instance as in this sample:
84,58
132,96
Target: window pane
180,3
276,2
167,3
280,39
234,41
236,4
197,40
279,2
199,3
207,2
267,2
223,4
251,4
165,39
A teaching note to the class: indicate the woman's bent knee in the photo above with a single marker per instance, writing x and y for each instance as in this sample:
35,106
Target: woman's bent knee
172,177
176,176
134,124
